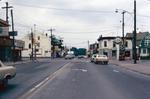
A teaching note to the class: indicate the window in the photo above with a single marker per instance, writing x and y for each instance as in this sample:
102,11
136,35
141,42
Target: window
114,45
147,42
126,44
29,46
38,37
105,43
144,50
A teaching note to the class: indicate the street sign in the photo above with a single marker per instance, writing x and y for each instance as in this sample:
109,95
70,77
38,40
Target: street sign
13,33
4,31
118,40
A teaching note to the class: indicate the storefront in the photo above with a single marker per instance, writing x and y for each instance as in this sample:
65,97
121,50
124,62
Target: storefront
5,42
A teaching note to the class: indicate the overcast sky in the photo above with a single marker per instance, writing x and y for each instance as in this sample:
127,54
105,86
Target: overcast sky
78,21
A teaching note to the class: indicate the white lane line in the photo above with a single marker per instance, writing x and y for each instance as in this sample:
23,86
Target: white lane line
43,83
115,71
83,70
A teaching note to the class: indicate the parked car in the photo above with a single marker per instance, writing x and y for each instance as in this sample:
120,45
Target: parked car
93,57
6,73
102,59
69,56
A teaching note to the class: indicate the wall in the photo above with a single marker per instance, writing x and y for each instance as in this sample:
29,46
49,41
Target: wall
44,48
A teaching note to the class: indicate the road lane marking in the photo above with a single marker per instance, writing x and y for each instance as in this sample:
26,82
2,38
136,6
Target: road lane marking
83,70
115,71
29,93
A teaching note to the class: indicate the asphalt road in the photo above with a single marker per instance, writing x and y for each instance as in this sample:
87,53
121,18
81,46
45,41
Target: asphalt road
77,79
29,75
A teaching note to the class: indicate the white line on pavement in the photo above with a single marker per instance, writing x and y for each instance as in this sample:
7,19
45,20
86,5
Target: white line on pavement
115,71
29,94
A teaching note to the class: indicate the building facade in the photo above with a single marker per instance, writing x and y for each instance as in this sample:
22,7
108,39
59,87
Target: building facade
144,46
107,46
41,45
5,42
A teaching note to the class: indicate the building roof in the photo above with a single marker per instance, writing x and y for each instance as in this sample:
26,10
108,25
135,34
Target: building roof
110,37
3,23
139,35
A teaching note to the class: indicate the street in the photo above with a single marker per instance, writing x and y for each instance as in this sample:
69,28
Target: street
28,75
75,79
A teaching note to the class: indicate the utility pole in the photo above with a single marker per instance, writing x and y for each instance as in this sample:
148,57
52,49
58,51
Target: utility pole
7,7
53,48
123,27
32,44
134,34
13,35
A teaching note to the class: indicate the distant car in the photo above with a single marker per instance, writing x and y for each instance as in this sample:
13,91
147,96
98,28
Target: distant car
93,57
69,56
102,59
6,73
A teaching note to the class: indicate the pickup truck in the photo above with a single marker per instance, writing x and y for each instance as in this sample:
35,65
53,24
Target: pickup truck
6,73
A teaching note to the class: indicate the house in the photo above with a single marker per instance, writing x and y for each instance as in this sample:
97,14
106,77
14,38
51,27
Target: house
41,45
143,44
107,46
94,48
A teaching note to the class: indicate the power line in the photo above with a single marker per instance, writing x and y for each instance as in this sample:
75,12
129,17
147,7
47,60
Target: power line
63,9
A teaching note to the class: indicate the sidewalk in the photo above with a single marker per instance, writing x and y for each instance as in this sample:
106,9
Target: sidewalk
25,60
16,63
142,66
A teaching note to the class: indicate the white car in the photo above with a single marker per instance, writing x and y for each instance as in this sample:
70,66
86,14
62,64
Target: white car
69,56
102,59
6,73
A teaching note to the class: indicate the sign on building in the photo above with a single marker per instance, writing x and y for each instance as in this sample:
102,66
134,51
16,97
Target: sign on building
4,31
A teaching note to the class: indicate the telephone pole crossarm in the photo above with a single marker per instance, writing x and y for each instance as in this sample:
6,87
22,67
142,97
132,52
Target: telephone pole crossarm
7,7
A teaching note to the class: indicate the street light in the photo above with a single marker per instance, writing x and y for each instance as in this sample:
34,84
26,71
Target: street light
123,24
123,12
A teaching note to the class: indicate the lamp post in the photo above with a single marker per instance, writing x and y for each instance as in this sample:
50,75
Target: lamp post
134,35
123,12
